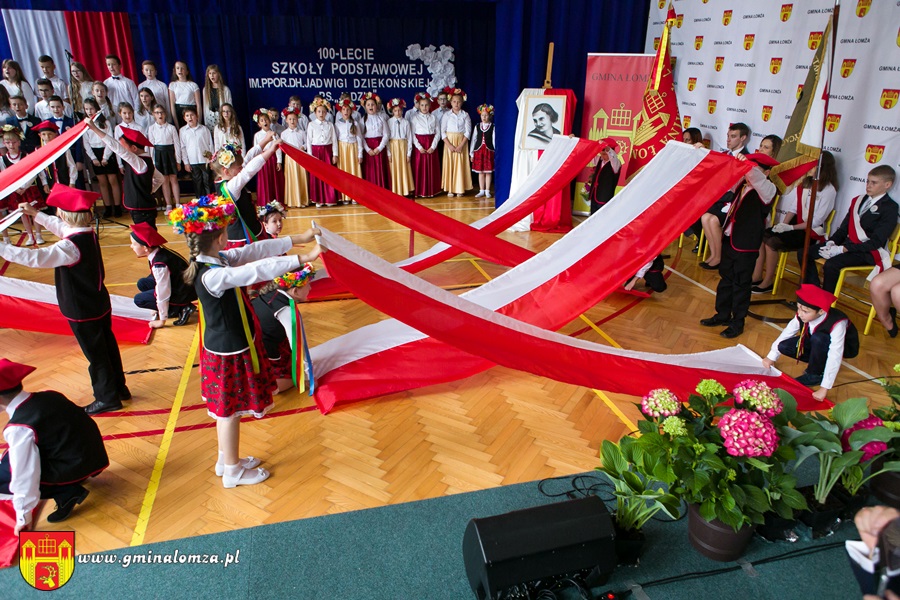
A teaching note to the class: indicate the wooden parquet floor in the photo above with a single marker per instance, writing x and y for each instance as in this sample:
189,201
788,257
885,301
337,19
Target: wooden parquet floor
496,428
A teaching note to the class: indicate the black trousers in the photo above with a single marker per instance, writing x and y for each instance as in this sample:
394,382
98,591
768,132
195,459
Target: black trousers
815,352
734,291
147,297
831,271
48,490
104,361
144,216
202,180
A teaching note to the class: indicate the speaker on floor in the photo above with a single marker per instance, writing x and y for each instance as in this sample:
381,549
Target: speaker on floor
527,545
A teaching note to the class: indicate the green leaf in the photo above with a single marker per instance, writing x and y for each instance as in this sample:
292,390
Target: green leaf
804,452
861,437
634,482
613,462
756,498
647,426
790,404
763,466
845,460
794,499
850,412
708,510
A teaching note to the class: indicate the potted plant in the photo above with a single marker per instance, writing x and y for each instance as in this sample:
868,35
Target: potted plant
885,484
639,495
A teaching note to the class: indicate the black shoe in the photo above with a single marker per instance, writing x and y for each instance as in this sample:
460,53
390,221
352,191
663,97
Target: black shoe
96,407
893,330
761,289
107,212
64,506
186,313
810,379
709,267
732,331
695,249
713,321
124,394
117,210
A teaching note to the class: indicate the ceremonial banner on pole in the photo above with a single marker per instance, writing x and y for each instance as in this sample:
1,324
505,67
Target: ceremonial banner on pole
658,122
613,95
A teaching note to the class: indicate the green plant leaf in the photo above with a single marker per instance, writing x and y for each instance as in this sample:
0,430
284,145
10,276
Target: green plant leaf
613,462
794,499
762,466
845,460
708,510
790,405
861,437
850,412
647,426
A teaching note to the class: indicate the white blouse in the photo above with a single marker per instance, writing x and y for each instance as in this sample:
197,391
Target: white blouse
164,135
452,122
295,138
91,140
222,137
184,92
321,133
257,141
423,124
342,127
160,92
399,129
376,127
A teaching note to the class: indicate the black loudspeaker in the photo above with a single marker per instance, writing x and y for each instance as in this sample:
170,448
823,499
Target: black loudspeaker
526,545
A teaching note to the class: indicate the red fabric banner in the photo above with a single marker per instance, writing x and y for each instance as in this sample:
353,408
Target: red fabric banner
13,177
94,35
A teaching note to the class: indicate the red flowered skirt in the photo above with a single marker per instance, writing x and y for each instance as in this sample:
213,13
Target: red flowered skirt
229,386
483,160
281,364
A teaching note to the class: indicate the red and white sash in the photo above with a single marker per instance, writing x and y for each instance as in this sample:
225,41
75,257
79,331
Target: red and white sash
858,235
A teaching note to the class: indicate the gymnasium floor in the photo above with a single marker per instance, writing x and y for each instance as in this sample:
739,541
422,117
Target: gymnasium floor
496,428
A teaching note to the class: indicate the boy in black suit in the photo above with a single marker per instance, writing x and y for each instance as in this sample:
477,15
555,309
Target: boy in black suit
863,236
26,123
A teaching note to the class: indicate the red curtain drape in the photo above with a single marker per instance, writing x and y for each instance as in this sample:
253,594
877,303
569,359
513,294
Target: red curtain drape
555,216
95,34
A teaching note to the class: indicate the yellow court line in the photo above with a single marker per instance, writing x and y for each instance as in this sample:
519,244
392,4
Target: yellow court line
612,406
132,284
600,332
479,269
140,528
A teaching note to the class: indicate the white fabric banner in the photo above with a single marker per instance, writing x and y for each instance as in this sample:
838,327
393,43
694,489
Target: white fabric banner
32,33
744,61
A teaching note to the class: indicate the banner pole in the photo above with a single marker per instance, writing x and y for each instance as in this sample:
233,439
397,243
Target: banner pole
547,84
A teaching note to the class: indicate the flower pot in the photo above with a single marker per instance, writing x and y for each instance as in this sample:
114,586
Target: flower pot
822,519
853,502
716,540
886,486
629,546
777,529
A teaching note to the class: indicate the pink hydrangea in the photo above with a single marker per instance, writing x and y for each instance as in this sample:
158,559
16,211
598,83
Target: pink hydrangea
870,450
757,396
660,403
746,433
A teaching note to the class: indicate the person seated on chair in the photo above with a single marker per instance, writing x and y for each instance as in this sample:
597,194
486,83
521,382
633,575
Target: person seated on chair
820,336
742,235
54,446
885,291
789,234
164,290
863,236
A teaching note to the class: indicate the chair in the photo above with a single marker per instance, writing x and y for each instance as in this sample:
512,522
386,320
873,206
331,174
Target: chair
892,251
783,256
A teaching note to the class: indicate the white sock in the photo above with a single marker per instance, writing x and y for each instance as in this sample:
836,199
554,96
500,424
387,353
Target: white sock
221,459
233,470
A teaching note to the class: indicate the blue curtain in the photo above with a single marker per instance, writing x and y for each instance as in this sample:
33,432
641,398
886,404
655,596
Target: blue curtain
524,30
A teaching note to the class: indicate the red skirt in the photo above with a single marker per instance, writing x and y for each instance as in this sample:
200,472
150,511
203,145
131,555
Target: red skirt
426,168
376,169
319,191
281,364
483,160
32,194
269,183
229,386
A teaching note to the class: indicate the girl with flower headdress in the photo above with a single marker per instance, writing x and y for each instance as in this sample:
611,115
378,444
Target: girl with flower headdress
350,141
272,218
29,192
425,137
282,328
456,129
296,188
322,143
270,181
399,149
236,378
375,163
482,150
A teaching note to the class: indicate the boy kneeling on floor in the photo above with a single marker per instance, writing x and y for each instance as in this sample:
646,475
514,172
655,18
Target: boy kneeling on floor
819,335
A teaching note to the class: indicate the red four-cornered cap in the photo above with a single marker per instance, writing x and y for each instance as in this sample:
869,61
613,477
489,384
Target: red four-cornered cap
70,199
763,160
45,126
147,235
12,374
135,137
815,297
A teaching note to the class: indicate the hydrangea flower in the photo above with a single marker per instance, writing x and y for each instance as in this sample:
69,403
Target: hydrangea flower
710,387
674,426
870,450
757,396
660,403
747,433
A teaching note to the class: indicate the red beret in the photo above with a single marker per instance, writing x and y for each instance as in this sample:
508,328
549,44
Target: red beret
815,297
12,374
763,160
45,126
70,199
146,234
135,137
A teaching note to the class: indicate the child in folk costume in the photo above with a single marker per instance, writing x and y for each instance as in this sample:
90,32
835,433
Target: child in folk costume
272,218
80,292
605,175
350,141
482,150
228,130
375,162
818,335
270,182
163,290
295,105
275,307
236,378
196,148
322,143
233,172
64,169
296,187
100,158
456,129
166,154
400,149
29,192
425,137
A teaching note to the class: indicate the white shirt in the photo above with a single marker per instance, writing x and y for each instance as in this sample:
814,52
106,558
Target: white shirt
452,122
92,140
42,111
73,169
253,263
439,114
164,135
160,93
825,198
257,141
295,138
423,124
399,129
376,127
184,92
144,120
342,128
251,167
24,463
61,254
24,89
117,133
163,289
222,137
121,89
835,350
321,133
195,141
60,87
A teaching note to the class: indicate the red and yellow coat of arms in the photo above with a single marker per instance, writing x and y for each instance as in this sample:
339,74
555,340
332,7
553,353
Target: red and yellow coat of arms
874,153
786,10
720,62
862,7
847,67
679,19
748,40
889,98
726,17
766,113
815,38
832,122
711,106
686,121
775,65
692,83
46,558
698,42
740,87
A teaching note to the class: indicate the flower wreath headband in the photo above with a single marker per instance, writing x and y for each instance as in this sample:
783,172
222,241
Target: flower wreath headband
209,213
317,102
455,92
296,279
290,111
397,102
13,130
347,103
370,96
260,112
423,96
272,207
488,108
227,154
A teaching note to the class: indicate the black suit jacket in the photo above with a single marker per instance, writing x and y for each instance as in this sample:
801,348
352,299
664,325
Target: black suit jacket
878,225
32,140
748,213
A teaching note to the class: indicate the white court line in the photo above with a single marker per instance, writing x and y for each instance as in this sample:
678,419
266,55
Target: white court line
772,325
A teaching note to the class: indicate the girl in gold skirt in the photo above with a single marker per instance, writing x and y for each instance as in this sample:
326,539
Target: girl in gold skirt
350,142
400,149
456,130
296,186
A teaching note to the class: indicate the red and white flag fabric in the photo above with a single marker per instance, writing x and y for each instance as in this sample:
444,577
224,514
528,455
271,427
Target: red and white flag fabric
32,306
658,122
547,291
12,178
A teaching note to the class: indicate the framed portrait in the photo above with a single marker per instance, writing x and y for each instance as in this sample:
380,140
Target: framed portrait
542,118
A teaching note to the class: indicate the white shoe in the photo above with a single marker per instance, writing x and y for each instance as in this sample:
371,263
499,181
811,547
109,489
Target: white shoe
245,477
481,194
29,240
450,195
168,210
39,239
487,194
246,463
